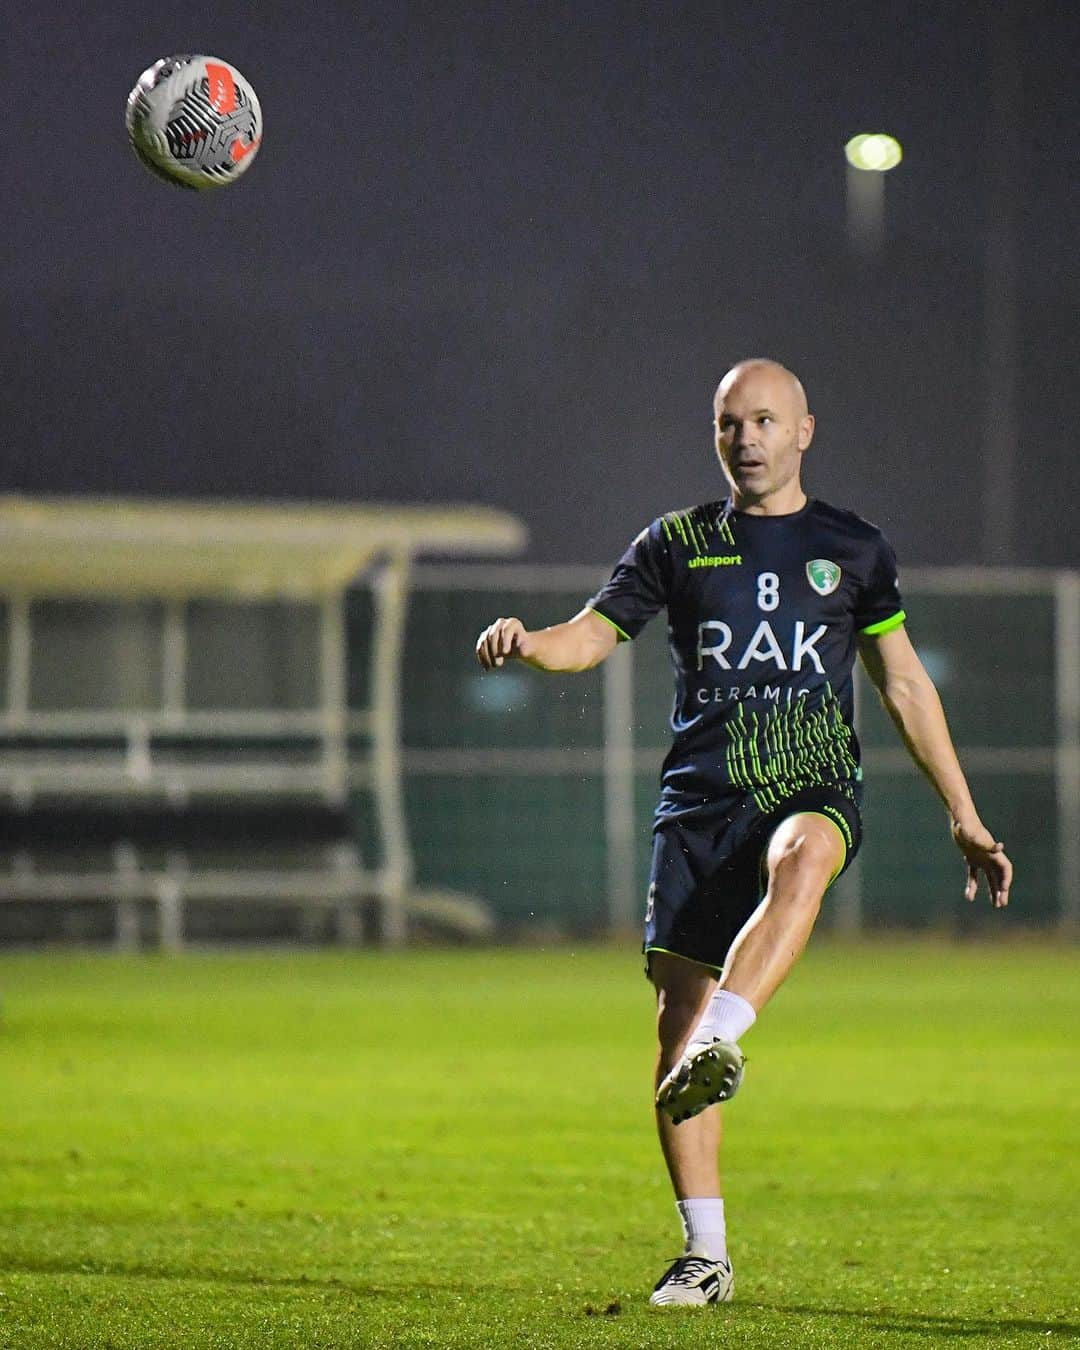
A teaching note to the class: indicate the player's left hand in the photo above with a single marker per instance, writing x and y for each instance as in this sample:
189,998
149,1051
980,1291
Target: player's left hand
986,855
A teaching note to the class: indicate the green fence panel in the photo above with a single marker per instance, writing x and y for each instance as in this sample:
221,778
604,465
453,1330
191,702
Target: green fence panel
992,659
519,817
529,847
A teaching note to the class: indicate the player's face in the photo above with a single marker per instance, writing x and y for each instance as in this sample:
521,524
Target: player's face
762,429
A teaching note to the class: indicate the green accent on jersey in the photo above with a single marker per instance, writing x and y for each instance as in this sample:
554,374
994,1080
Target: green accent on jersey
692,531
885,626
623,637
696,529
778,751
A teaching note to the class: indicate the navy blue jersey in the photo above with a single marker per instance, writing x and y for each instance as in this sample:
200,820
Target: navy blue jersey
763,616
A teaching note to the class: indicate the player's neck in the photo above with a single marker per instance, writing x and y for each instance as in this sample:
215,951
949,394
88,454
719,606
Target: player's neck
784,502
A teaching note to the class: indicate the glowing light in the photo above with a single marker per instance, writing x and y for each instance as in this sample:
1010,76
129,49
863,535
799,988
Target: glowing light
874,152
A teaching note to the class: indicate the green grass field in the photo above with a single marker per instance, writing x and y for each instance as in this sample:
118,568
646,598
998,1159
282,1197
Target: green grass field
456,1149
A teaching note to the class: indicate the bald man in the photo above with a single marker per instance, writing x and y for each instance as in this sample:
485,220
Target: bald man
769,594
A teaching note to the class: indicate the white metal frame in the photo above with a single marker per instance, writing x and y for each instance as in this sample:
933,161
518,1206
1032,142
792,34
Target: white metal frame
170,554
140,772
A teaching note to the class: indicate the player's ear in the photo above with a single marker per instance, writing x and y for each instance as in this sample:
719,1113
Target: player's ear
806,430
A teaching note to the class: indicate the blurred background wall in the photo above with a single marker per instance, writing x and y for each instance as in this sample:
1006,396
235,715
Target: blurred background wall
502,253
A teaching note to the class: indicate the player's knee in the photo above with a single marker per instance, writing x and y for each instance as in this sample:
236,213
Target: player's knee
802,862
797,853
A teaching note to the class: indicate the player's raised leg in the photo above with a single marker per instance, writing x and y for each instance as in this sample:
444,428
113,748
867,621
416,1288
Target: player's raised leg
804,855
703,1273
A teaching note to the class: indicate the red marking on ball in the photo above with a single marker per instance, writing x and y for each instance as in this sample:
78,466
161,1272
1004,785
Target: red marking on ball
238,150
222,87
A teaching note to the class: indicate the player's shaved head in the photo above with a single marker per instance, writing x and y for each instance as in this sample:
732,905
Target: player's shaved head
768,375
763,426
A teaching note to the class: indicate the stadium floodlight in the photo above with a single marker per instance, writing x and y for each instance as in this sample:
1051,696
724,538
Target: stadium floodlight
873,153
870,156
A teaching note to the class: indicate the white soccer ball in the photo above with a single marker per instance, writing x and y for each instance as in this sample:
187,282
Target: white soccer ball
194,121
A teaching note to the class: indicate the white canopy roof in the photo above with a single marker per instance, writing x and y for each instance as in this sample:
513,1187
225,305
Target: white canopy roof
78,546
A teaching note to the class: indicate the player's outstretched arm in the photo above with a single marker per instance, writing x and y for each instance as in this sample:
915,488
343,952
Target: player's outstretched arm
579,644
912,702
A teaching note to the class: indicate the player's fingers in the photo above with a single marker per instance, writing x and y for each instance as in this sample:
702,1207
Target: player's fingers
510,637
499,645
498,641
971,887
487,646
999,871
1000,892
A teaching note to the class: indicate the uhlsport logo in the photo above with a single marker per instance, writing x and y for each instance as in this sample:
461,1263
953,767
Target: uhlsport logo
823,575
716,560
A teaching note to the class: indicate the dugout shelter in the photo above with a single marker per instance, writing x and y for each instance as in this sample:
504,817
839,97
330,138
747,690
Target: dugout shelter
177,717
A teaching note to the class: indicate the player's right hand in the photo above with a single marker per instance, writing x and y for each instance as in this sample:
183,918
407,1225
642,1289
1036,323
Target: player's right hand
986,855
501,640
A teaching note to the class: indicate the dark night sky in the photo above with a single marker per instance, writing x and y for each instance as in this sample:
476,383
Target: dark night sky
503,252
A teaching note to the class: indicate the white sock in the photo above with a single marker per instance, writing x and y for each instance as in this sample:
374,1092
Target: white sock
727,1016
704,1228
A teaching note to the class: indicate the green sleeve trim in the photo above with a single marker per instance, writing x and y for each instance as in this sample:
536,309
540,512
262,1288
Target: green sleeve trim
885,626
624,636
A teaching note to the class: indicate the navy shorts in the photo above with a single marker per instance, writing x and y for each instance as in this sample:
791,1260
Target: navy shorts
707,876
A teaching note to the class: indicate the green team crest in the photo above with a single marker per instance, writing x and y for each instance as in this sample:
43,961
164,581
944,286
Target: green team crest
823,575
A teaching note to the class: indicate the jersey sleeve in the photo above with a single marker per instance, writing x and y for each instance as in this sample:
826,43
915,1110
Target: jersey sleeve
880,608
638,587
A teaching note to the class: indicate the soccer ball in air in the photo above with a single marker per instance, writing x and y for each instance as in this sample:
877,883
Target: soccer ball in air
194,121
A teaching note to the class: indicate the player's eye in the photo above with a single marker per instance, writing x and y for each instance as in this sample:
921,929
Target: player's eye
763,419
